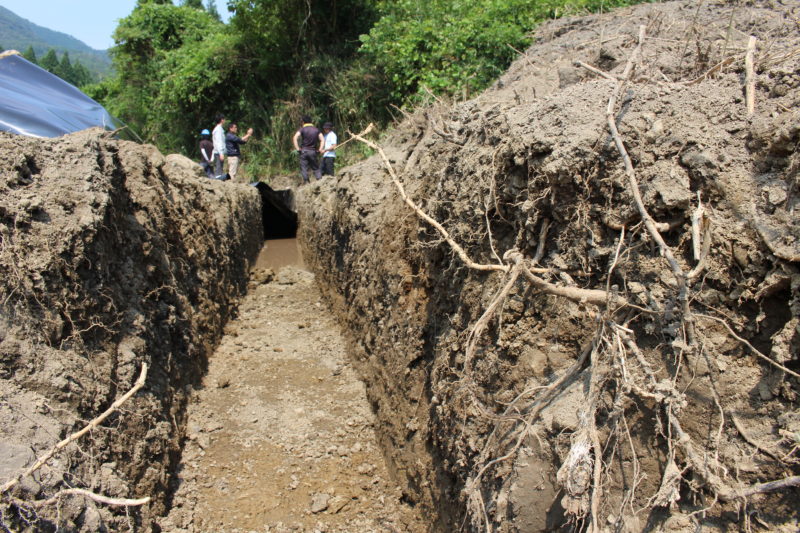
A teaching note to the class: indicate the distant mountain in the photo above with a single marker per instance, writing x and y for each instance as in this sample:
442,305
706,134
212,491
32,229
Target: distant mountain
18,33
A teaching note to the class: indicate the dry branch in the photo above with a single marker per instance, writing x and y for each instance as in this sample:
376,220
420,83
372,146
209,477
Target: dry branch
486,317
761,488
720,488
725,62
597,71
542,239
751,441
750,78
704,251
648,220
697,221
75,436
576,294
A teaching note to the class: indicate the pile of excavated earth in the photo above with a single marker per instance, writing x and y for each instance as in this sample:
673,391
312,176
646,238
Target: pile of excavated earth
571,303
583,342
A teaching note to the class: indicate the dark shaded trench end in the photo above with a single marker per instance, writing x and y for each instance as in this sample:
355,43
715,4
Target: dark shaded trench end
278,214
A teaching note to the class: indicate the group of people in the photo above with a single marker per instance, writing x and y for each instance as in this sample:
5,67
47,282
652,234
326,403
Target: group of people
309,142
217,146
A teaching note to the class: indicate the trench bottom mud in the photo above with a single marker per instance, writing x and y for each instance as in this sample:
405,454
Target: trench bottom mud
280,434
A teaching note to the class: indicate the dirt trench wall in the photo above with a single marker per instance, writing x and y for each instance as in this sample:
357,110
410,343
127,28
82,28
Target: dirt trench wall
478,435
111,256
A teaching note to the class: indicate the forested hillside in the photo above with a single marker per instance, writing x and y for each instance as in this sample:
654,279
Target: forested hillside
20,34
350,61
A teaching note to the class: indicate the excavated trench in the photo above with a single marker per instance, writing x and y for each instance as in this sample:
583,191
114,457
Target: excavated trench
113,257
280,436
117,260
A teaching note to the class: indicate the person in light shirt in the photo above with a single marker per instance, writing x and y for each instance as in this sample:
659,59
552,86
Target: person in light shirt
218,138
328,149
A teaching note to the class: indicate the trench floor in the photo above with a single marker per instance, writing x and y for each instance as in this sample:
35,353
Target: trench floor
281,437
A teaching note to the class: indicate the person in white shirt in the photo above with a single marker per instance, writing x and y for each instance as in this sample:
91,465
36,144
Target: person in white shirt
328,149
218,137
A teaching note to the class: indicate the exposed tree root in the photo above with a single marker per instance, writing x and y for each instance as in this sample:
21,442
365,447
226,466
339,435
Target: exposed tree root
613,364
99,498
41,461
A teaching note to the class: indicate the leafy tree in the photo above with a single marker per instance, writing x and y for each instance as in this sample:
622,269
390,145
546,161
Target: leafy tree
64,69
80,75
455,47
173,65
342,60
30,55
213,11
49,62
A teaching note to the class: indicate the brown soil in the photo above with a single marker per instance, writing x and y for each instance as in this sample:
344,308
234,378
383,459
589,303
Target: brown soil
477,439
111,257
281,437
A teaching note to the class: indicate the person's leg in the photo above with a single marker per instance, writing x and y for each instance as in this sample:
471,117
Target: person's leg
315,166
233,167
327,166
217,165
208,170
304,165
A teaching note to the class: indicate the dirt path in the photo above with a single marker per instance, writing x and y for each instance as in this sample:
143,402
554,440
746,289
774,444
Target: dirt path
281,435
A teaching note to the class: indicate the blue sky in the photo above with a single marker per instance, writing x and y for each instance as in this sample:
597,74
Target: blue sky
91,21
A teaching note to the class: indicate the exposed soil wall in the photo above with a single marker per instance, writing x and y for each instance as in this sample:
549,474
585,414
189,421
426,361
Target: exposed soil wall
502,428
111,256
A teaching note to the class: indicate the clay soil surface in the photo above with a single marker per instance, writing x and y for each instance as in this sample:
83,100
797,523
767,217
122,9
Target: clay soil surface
280,435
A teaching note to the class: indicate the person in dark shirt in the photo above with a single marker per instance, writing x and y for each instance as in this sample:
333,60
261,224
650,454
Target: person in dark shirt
232,144
308,142
206,153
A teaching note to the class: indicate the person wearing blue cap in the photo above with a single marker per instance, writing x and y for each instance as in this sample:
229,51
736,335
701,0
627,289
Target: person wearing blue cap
206,153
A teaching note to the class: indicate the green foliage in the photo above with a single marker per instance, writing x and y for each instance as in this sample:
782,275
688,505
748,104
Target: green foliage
75,73
348,61
173,64
50,61
64,69
30,55
455,47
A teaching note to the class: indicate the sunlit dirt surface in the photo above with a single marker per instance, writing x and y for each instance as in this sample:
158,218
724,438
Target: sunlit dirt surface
281,437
